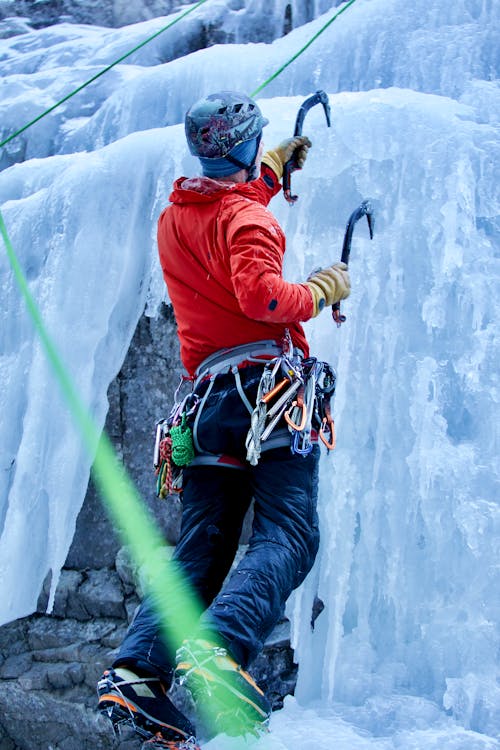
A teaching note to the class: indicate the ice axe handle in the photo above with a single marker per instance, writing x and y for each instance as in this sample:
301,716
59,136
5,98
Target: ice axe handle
365,209
320,97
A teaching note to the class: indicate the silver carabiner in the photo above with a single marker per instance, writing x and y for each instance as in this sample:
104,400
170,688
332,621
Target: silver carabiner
161,432
274,421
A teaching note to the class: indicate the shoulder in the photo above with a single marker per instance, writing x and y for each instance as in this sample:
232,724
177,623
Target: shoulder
243,219
242,209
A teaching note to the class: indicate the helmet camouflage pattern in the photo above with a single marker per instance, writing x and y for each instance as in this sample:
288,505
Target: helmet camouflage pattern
219,122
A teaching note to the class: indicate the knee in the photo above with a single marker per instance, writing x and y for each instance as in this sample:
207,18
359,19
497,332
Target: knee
306,557
288,558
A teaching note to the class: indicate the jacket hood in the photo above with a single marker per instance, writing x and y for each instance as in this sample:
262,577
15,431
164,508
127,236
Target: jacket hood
200,190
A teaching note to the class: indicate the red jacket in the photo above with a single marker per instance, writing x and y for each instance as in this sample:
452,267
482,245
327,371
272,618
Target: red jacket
221,251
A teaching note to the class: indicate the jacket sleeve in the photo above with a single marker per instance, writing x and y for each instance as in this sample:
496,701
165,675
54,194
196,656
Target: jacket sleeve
256,246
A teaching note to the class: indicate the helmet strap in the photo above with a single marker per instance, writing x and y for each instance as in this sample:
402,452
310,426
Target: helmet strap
250,168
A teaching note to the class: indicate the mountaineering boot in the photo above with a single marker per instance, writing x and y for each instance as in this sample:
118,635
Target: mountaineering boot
141,702
235,702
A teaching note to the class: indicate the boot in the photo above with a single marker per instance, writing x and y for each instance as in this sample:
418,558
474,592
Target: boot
142,702
235,703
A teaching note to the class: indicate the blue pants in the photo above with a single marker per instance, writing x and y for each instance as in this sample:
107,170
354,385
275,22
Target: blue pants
281,550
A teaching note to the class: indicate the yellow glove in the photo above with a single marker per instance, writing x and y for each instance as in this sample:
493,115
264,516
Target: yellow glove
277,157
329,286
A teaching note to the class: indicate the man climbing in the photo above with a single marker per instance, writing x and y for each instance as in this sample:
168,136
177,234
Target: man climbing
239,324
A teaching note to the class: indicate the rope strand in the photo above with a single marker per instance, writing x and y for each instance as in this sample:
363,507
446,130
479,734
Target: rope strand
149,39
101,73
303,49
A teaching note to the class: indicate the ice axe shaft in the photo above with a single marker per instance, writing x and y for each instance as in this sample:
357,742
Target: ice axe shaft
365,209
320,97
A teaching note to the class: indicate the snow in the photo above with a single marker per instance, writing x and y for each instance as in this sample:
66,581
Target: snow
405,653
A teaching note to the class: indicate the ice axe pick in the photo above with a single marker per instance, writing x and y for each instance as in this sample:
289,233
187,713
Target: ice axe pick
365,209
320,97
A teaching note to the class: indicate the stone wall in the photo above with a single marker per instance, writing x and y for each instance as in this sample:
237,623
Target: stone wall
49,664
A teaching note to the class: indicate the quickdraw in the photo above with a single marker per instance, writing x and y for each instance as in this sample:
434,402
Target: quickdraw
265,416
325,389
301,397
314,410
174,447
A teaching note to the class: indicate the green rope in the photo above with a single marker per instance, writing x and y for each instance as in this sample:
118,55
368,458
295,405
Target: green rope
149,39
101,73
303,49
124,505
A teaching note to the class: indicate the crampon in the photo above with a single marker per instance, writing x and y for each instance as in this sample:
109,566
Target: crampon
142,704
237,704
158,742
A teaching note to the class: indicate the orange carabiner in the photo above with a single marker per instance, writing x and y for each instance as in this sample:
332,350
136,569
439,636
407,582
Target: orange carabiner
289,420
330,444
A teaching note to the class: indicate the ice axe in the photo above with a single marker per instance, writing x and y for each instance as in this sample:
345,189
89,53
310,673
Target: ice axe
320,97
365,209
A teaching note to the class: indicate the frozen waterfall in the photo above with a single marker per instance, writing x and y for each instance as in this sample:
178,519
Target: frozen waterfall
405,652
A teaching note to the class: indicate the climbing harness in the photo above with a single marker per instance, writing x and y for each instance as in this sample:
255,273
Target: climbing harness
364,209
176,441
320,97
292,409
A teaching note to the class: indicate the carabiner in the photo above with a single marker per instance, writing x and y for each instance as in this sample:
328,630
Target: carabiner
305,442
300,405
330,444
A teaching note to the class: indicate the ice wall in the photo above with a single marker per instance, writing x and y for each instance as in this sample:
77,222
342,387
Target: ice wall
247,19
408,563
83,230
410,517
427,47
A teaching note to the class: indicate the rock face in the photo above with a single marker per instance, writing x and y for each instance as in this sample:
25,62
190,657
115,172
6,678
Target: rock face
49,664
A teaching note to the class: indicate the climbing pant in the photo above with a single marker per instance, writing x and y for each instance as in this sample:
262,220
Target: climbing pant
281,549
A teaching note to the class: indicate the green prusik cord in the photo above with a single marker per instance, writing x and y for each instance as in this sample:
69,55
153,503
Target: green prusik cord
182,443
101,73
303,49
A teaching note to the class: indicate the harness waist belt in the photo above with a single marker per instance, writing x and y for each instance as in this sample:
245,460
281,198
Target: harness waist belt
256,352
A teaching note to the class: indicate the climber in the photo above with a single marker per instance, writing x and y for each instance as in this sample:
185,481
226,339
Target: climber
221,251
